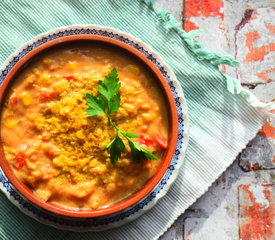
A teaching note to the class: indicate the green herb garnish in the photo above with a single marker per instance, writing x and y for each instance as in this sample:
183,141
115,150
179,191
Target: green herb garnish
107,103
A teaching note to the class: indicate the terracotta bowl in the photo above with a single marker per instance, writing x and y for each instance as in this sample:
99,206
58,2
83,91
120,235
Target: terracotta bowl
167,157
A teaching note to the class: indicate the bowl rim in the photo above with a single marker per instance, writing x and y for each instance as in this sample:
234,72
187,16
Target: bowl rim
135,197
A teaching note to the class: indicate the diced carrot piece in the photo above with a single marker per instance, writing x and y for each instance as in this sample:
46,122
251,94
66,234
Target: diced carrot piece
161,141
70,77
19,161
144,141
47,96
13,100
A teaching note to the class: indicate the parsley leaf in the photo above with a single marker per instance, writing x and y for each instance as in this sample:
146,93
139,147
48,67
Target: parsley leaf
116,147
110,85
114,103
127,134
109,89
107,103
96,105
139,153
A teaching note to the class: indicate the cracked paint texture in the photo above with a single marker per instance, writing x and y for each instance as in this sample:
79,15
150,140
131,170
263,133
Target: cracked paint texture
257,212
241,203
201,9
255,46
200,13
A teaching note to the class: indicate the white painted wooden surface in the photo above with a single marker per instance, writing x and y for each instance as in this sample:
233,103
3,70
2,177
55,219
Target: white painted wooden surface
241,204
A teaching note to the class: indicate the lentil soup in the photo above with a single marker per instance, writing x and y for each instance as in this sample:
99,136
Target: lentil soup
55,149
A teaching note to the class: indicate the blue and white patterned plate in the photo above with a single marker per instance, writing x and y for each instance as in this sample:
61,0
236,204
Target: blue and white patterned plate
109,221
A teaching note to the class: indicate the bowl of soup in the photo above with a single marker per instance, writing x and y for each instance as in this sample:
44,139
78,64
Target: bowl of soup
60,156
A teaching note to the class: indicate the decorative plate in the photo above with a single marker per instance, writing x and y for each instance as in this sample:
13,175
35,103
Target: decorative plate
113,220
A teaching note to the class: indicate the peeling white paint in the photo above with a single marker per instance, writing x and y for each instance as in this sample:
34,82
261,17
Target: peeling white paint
216,214
248,70
265,92
213,39
260,198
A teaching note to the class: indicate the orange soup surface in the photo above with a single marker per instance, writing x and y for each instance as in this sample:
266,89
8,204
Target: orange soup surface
52,145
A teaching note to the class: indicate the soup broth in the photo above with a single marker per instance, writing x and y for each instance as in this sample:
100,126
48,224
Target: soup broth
52,145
